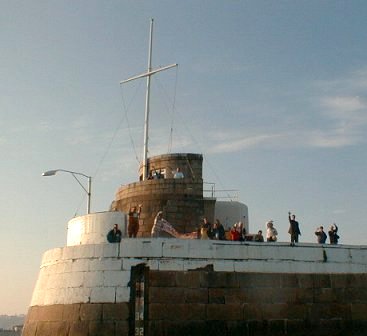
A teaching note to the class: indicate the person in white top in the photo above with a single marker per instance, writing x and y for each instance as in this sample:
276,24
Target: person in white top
178,174
271,232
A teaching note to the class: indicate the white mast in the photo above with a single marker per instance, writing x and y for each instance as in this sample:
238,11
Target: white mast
148,74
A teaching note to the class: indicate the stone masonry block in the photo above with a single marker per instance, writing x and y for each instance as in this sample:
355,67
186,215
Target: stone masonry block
103,294
297,311
51,313
105,264
38,297
359,256
176,248
305,280
33,313
321,280
285,295
220,250
101,328
76,295
275,310
127,263
122,327
356,295
91,312
338,255
166,295
84,251
253,311
217,295
162,279
122,294
357,280
341,311
69,252
71,312
115,311
224,266
318,310
80,265
170,264
52,328
31,328
258,280
304,295
78,328
116,278
188,279
339,281
196,264
196,295
222,279
358,311
157,311
224,312
253,295
75,279
141,247
108,250
288,280
193,311
325,295
93,279
52,256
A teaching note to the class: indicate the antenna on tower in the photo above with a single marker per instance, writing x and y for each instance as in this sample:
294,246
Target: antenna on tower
148,75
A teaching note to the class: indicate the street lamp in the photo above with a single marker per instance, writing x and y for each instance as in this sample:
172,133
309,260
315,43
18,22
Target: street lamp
88,191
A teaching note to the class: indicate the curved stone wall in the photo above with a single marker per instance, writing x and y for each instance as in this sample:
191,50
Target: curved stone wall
87,289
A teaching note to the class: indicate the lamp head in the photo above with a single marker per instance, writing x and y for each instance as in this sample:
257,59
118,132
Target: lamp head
49,173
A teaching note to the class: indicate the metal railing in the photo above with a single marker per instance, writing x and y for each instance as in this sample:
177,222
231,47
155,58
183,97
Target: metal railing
209,190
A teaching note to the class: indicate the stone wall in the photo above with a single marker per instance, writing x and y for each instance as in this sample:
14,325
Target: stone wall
203,302
198,287
83,319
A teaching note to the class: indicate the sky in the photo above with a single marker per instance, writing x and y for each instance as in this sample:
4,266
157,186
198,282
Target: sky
272,93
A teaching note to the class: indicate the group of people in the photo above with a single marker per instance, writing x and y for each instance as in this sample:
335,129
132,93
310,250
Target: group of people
209,231
162,227
333,235
294,231
115,234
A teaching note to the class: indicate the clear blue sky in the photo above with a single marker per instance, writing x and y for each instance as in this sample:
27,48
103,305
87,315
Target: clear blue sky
272,93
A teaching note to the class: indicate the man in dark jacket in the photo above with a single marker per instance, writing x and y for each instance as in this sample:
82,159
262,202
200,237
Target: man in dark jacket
114,236
321,235
293,229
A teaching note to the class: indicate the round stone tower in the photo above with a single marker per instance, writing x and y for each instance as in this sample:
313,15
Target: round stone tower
180,199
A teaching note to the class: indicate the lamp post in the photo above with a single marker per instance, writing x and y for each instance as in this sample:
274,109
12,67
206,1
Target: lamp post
88,191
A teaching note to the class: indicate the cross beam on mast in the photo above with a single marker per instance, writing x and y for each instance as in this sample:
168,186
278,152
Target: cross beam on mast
148,74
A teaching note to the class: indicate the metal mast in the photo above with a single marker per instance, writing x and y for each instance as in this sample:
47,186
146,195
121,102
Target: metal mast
148,74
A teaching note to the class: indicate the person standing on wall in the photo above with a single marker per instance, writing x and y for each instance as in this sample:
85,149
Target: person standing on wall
206,229
333,234
321,235
293,229
271,232
114,235
133,224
